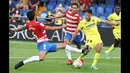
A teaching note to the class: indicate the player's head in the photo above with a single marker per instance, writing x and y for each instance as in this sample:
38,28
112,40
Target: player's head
74,7
88,14
49,13
31,15
117,8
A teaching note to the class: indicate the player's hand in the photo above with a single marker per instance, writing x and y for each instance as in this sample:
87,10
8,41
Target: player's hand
12,29
63,25
117,23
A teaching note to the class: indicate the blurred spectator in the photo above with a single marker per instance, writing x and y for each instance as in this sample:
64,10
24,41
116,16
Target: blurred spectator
16,15
23,4
33,4
49,17
61,1
75,1
84,4
93,2
100,1
59,10
44,2
117,2
11,7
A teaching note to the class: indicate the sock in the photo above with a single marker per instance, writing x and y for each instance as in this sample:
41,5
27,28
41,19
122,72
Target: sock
81,56
111,48
72,49
68,53
96,57
31,59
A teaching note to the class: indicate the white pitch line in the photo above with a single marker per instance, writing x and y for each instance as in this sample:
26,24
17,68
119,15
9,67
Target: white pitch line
20,42
29,42
64,57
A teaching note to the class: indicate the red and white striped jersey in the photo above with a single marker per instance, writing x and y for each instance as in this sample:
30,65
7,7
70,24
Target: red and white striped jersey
38,29
71,21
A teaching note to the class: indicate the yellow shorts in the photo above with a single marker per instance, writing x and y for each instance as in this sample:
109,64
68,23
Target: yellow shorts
117,34
93,42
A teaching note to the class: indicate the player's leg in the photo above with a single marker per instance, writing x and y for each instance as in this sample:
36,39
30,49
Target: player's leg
85,51
68,49
43,48
97,55
77,41
113,46
67,37
65,46
116,42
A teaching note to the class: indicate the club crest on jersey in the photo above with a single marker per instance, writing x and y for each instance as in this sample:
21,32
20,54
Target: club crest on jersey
93,20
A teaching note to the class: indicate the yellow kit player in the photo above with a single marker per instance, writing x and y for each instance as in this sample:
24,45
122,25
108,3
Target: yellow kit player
115,17
93,39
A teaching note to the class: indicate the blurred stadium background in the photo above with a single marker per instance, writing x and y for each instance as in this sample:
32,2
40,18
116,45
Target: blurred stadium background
22,43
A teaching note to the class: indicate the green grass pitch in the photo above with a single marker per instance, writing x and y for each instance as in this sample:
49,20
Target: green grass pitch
56,62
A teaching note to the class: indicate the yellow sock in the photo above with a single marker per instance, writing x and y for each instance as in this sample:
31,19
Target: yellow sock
96,57
111,48
80,57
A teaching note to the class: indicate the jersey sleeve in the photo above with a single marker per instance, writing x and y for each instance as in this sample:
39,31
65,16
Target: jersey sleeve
42,26
80,26
24,27
98,20
110,17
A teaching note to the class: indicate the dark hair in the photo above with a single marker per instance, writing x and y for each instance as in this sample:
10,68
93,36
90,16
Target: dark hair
75,4
89,11
31,15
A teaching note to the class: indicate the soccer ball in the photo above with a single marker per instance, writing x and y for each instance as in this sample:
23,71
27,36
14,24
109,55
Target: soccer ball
77,64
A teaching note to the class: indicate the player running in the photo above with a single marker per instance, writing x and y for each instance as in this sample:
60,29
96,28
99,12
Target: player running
72,20
116,16
93,39
43,45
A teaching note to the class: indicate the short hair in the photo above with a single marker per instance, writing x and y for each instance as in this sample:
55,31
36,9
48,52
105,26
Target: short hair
31,15
75,4
89,11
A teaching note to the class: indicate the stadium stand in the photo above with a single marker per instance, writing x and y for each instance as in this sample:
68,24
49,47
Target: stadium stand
100,10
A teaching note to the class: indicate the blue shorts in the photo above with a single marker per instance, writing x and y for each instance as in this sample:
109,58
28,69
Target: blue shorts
46,46
76,40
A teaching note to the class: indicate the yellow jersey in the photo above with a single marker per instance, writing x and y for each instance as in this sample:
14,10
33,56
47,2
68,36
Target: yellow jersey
90,27
114,17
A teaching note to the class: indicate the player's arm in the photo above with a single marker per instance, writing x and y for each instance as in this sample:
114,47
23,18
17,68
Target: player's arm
111,18
110,23
59,15
77,31
18,29
52,28
74,35
106,22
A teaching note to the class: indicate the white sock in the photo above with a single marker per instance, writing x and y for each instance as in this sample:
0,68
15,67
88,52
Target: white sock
32,59
72,49
68,53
